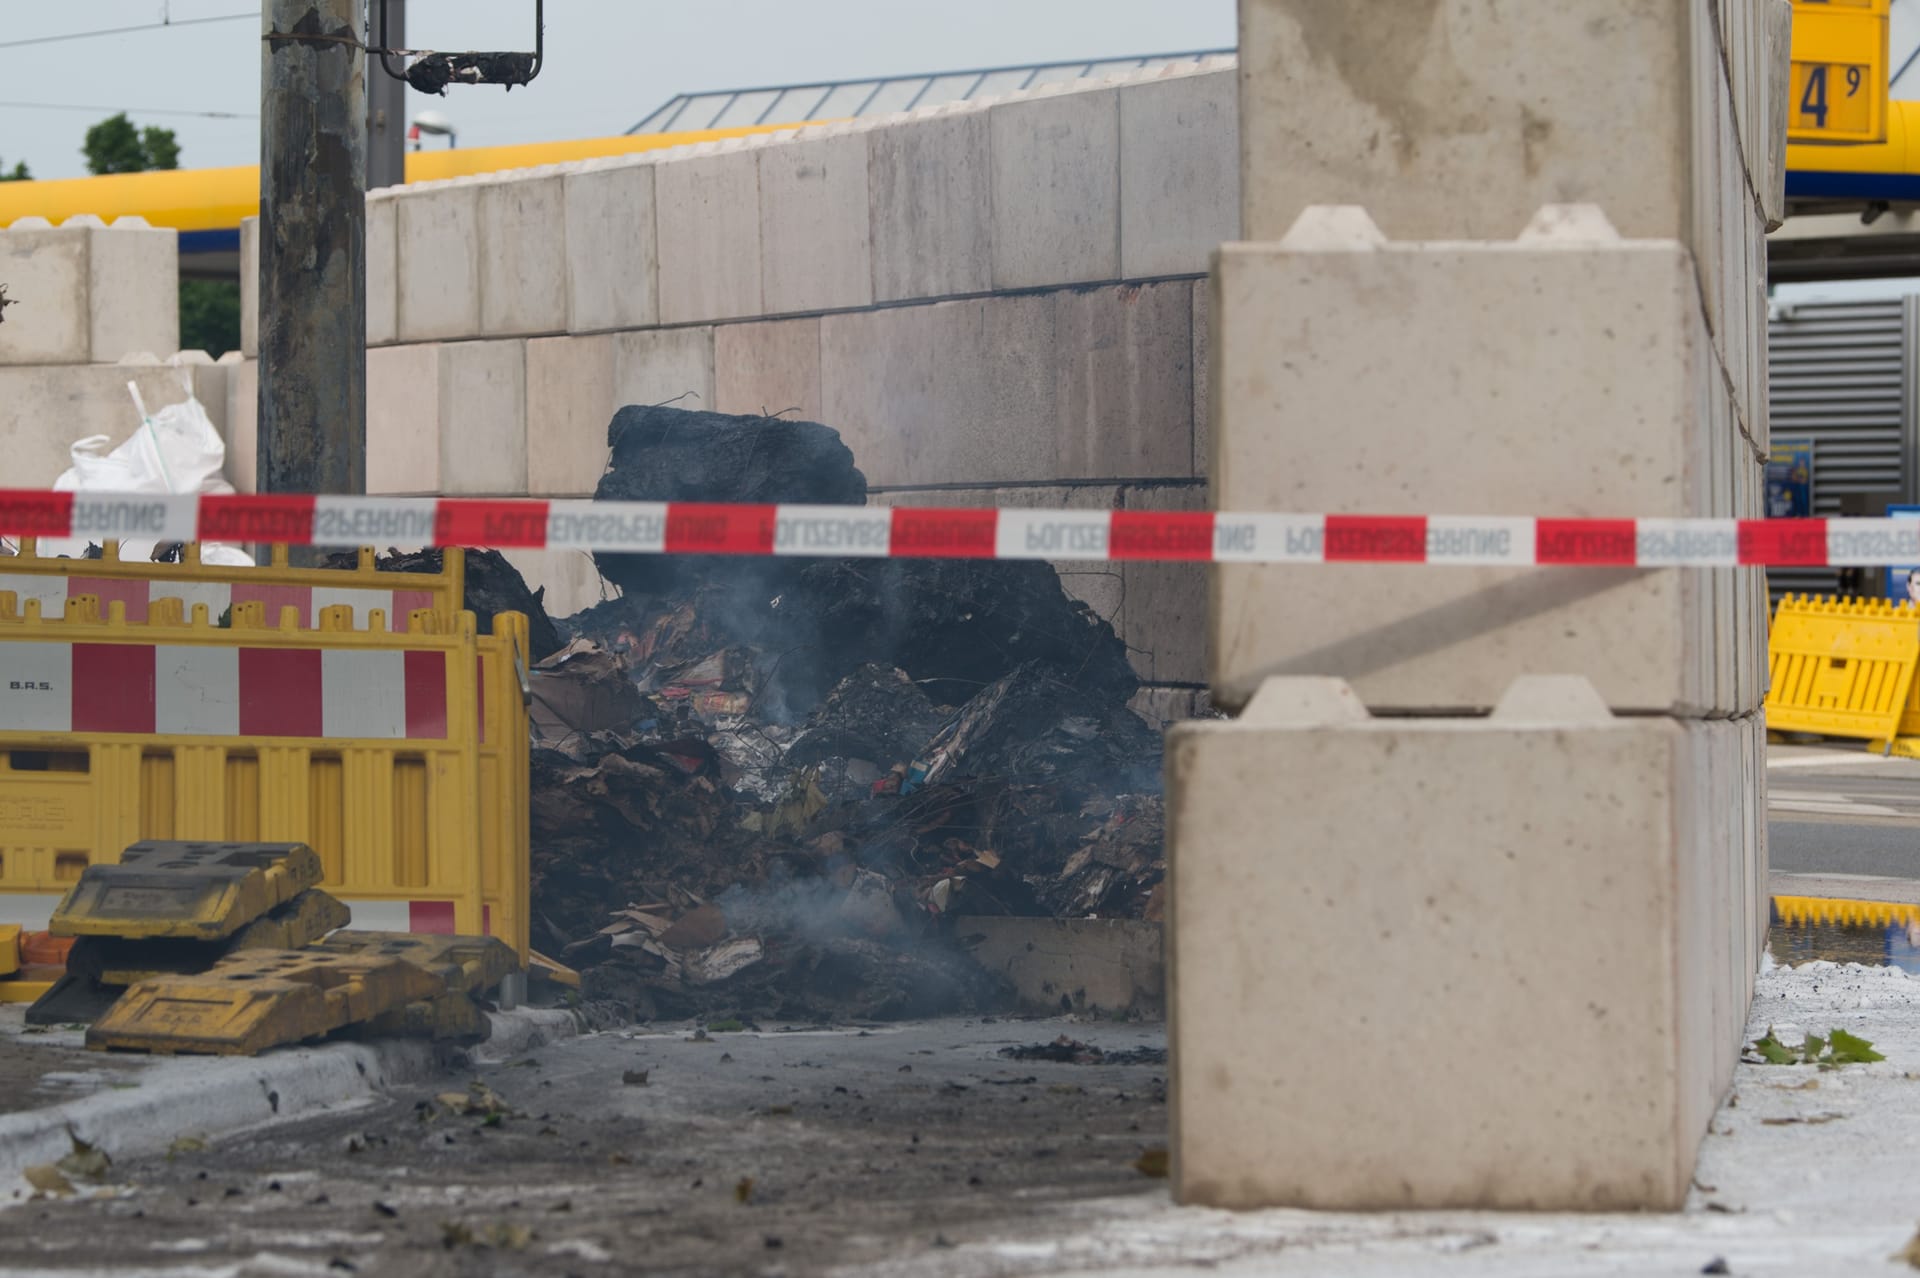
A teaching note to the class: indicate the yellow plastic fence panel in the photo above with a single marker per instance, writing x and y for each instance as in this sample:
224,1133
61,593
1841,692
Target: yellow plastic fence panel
362,743
505,778
142,586
1841,667
1801,911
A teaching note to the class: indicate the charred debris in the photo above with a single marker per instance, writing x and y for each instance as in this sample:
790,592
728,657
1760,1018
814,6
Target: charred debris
769,787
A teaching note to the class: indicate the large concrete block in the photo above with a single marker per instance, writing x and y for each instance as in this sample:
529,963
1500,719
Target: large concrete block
1179,173
1112,967
438,230
44,409
1471,116
1056,189
133,289
569,403
708,208
1202,379
1163,613
483,418
611,258
406,388
523,258
242,435
250,287
1125,368
663,366
954,392
383,265
815,250
1492,902
1503,399
932,212
45,271
771,368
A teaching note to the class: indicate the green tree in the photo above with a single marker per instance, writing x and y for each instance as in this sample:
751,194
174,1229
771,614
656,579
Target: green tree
209,309
115,146
16,174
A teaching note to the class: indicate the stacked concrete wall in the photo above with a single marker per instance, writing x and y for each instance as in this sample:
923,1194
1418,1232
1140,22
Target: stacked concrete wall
1000,302
1487,274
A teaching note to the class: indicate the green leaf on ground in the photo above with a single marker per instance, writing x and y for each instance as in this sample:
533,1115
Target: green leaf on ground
1851,1050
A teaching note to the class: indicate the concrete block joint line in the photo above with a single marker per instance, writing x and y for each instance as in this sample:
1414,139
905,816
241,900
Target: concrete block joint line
926,532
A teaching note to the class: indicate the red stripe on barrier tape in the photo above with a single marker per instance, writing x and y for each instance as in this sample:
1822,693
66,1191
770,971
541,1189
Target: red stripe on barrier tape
1379,539
931,532
515,524
698,528
257,517
1182,535
1783,542
1588,542
25,513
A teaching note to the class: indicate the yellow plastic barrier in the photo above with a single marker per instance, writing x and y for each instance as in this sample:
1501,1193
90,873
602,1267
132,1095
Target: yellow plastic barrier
363,743
1842,667
1802,911
274,585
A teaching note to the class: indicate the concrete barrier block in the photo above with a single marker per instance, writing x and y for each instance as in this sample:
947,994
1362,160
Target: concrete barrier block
383,266
1179,173
1441,137
816,253
483,418
1163,610
771,368
930,180
1056,189
133,293
406,398
709,224
1479,877
569,403
1125,367
250,287
1109,966
612,264
1772,177
242,434
523,257
45,271
1491,372
1202,366
663,366
438,231
568,580
955,392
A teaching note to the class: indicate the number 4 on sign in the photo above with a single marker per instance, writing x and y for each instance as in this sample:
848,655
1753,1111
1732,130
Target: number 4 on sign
1813,99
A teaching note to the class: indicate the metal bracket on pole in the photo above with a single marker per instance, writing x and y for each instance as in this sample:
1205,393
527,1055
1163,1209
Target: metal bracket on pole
431,72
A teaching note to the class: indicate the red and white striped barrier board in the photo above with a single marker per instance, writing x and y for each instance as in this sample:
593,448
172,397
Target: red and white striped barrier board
219,691
688,528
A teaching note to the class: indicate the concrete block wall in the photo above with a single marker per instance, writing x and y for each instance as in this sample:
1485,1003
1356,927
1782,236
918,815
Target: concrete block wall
992,301
84,292
45,409
1385,344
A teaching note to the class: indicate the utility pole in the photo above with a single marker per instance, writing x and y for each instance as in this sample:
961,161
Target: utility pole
313,248
387,110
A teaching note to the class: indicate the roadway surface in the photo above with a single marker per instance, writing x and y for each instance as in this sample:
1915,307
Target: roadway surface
1839,811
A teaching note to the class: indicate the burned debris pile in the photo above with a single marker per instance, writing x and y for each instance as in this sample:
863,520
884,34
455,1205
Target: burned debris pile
765,787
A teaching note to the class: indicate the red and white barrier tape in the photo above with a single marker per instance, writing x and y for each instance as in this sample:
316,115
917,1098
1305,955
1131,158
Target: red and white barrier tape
687,528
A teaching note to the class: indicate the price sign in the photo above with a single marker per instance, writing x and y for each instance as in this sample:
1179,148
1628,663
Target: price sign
1838,90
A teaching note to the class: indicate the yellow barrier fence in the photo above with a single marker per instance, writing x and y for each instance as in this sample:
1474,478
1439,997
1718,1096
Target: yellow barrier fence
274,585
1842,667
363,742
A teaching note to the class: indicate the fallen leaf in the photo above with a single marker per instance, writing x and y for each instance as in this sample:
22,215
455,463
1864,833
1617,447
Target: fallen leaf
1910,1253
743,1190
1152,1163
195,1145
46,1179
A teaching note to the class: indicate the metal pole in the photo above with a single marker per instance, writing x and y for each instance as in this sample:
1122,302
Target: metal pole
387,110
313,251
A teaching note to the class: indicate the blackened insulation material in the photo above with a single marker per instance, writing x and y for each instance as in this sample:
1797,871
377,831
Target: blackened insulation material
493,585
876,713
675,454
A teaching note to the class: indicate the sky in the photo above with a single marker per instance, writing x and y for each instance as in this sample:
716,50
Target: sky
608,62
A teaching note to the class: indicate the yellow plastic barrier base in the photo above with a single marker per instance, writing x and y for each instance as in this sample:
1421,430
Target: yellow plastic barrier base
120,961
259,999
21,991
1901,748
9,948
1801,911
452,1018
467,964
190,891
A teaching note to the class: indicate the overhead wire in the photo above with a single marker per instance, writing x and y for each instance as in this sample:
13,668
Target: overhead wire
80,106
145,26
